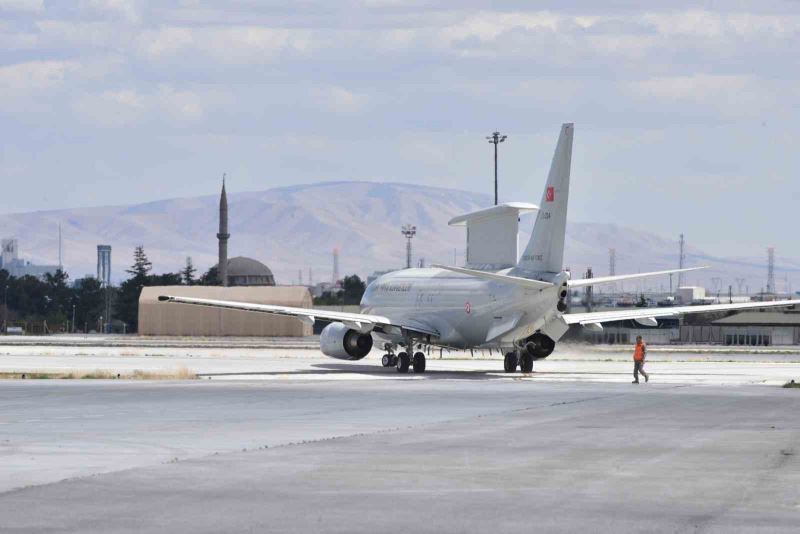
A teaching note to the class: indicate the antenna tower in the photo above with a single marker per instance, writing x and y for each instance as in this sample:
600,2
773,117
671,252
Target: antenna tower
612,267
335,266
771,270
681,260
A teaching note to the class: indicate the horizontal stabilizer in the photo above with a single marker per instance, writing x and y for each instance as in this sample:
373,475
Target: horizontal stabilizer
612,279
514,280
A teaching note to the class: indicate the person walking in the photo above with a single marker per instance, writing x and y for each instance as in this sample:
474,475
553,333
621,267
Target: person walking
639,353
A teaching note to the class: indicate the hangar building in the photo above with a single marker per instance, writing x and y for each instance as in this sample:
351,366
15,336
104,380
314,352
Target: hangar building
170,319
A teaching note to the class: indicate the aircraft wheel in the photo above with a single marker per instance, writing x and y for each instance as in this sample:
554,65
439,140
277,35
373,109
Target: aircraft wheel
419,362
526,363
387,360
510,362
403,362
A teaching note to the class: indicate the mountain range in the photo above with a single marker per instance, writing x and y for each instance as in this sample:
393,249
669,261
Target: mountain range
296,228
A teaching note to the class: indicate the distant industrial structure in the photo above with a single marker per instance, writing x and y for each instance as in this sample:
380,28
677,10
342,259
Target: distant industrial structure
408,231
17,267
104,264
104,276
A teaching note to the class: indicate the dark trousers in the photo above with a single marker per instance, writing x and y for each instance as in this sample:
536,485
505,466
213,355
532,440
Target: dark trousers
638,367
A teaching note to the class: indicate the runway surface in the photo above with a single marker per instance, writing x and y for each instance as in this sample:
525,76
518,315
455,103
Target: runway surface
454,452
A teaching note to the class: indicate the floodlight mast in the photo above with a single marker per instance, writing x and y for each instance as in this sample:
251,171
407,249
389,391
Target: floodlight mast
408,231
496,138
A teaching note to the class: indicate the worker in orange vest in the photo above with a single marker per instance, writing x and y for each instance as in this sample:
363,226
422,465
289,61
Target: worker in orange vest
639,353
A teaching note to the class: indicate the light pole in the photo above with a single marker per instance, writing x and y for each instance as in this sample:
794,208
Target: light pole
496,139
409,232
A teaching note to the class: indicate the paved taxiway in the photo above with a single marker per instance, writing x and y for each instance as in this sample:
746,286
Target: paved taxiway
462,449
423,456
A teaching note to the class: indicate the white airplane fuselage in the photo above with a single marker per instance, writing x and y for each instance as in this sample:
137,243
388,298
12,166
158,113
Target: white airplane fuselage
466,311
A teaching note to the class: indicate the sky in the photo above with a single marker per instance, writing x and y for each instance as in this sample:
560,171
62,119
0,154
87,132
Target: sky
686,113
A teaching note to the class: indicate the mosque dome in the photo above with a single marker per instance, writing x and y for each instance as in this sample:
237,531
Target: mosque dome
244,271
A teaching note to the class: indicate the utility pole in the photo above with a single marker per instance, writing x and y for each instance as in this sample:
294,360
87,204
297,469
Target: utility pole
496,138
589,302
60,262
408,232
739,284
5,308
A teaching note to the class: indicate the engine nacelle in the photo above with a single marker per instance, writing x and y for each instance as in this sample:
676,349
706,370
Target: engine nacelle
540,346
343,343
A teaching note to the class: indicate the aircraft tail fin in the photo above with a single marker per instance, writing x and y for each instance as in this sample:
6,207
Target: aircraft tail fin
545,250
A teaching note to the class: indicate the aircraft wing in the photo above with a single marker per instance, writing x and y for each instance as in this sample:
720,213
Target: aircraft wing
357,321
619,278
649,315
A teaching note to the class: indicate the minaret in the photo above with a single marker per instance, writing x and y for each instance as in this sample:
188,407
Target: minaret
223,236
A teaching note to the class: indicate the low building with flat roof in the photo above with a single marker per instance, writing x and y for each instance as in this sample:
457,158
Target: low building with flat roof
172,319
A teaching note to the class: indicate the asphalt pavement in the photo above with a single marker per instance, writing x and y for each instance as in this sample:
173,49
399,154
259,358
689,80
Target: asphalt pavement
455,452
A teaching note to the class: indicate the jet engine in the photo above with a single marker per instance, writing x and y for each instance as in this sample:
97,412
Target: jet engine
540,346
343,343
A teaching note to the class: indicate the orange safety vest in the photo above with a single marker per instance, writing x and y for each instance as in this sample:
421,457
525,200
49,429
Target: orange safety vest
638,353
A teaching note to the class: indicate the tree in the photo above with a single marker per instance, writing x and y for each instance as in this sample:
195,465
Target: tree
166,279
89,301
210,278
188,272
127,305
141,265
59,296
353,289
28,296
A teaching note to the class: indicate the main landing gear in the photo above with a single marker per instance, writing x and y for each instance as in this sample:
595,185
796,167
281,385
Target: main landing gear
403,362
521,358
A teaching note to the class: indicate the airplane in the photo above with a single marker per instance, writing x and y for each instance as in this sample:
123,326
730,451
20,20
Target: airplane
519,307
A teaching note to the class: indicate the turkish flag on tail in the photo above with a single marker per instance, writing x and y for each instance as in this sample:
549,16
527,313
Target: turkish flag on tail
551,194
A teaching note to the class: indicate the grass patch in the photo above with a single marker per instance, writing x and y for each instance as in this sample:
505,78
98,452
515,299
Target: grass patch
181,373
791,384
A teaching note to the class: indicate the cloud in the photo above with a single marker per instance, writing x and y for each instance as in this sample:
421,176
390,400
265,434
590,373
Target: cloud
30,6
110,109
224,45
129,10
726,96
164,105
338,100
33,76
